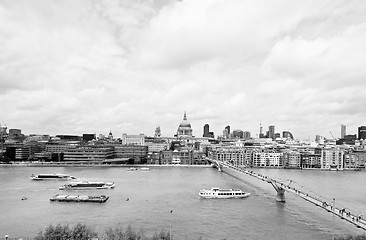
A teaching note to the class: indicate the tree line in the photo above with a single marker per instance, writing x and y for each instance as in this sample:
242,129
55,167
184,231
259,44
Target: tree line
83,232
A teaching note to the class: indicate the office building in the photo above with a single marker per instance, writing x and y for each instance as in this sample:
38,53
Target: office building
331,158
271,132
261,135
287,135
89,153
246,135
292,159
343,131
362,132
206,130
135,152
138,140
157,146
238,134
57,147
15,133
22,153
227,128
88,137
69,137
310,160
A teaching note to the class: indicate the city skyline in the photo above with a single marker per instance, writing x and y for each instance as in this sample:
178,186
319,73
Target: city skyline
77,67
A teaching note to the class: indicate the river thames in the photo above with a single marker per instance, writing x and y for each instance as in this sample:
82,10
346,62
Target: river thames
152,195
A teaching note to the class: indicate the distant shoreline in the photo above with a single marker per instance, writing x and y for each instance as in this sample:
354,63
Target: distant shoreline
69,164
98,165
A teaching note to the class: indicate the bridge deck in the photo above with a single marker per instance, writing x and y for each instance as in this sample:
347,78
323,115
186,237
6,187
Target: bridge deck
344,214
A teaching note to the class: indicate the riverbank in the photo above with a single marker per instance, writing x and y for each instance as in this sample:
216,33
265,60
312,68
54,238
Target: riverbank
94,164
76,164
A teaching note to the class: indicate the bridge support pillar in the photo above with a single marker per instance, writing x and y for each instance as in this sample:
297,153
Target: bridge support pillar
280,192
280,195
219,167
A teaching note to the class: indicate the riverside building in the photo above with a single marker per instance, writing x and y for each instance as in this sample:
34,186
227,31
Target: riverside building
133,139
234,155
292,159
89,153
268,159
136,153
331,158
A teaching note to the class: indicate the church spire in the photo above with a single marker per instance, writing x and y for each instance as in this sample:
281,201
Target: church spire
185,116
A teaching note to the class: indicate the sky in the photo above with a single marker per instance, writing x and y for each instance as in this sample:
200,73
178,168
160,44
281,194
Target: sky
128,66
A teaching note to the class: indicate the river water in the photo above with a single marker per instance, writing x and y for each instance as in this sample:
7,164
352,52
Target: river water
153,194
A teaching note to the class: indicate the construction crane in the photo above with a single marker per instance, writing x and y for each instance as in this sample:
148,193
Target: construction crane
331,134
2,129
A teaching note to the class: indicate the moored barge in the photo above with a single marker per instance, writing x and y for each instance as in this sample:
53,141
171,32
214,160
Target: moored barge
79,198
52,176
87,185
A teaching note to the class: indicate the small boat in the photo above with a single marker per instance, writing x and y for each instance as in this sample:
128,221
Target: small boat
333,167
145,169
79,198
222,193
132,169
86,185
51,176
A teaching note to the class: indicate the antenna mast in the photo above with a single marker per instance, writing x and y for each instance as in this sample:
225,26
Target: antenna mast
260,129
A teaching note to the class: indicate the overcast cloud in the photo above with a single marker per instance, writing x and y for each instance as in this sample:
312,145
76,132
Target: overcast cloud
74,67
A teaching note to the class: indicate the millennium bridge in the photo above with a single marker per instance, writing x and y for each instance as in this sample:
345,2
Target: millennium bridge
282,187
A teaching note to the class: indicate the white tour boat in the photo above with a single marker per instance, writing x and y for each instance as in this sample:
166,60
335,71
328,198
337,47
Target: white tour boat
86,185
222,193
51,176
144,169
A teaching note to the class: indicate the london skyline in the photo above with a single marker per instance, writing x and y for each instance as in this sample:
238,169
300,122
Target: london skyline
129,66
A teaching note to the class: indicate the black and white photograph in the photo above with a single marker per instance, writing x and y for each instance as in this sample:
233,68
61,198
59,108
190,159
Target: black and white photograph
182,119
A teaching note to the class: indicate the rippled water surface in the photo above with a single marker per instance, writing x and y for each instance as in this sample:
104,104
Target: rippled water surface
153,194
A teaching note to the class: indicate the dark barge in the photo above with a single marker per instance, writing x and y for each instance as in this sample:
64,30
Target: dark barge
79,198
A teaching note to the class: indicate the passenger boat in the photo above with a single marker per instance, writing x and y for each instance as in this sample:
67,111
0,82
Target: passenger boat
222,193
86,185
79,198
145,169
57,176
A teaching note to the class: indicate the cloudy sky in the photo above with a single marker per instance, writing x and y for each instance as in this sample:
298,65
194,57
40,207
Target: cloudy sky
75,66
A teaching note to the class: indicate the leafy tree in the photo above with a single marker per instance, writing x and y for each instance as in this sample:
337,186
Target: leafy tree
130,234
161,236
114,234
82,232
59,232
119,234
350,237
